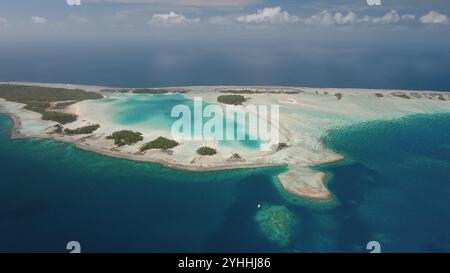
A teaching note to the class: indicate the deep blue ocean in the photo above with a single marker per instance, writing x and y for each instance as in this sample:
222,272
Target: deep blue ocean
346,62
393,187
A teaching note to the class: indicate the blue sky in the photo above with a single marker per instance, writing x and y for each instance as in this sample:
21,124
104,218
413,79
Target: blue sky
215,19
333,43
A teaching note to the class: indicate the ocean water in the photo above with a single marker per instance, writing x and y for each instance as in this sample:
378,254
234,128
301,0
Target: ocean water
393,188
355,61
52,193
394,185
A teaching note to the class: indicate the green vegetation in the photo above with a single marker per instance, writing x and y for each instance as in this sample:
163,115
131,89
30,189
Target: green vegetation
37,98
116,90
239,91
62,104
125,137
82,130
206,151
150,91
338,96
234,157
59,117
231,99
379,95
401,95
159,143
281,146
58,129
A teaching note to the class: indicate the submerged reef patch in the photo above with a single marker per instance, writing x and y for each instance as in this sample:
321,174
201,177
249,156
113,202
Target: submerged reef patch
277,224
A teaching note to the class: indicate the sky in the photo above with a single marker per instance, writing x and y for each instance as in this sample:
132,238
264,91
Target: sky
34,20
327,43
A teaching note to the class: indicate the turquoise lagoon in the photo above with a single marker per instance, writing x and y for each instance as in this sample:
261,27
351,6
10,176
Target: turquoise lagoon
393,187
154,112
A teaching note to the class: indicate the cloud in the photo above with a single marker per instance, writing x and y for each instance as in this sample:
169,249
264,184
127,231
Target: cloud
273,15
192,3
171,18
349,18
434,18
392,17
78,19
73,2
39,20
326,18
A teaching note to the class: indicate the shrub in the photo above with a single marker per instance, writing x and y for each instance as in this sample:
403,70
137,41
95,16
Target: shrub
206,151
231,99
37,98
59,117
401,95
159,143
125,137
82,130
281,146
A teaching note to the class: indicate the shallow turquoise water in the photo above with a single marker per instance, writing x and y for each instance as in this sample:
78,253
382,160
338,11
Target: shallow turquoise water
393,187
154,112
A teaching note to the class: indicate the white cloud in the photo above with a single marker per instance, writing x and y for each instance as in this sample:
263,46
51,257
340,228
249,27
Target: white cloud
78,19
434,18
349,18
408,17
326,18
39,20
389,18
392,17
73,2
171,18
273,15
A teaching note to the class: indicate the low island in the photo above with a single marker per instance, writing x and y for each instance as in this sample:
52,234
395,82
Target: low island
112,122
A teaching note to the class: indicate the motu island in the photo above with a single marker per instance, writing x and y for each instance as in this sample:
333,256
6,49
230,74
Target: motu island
136,124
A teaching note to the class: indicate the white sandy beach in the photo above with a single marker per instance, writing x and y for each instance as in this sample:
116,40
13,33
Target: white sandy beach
305,117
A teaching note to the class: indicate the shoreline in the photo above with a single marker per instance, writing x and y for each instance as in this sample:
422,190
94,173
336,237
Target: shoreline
307,115
93,87
15,134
